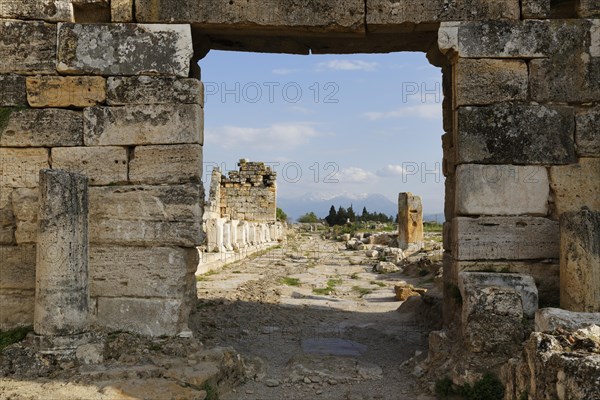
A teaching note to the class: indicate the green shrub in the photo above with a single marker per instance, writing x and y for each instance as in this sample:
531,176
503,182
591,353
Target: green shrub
13,336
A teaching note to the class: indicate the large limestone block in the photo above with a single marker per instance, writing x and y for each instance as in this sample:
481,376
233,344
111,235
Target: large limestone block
481,81
587,132
20,167
62,255
514,39
102,165
146,215
491,319
545,273
42,128
151,317
119,271
18,40
166,164
25,208
154,90
124,49
143,124
462,39
577,185
501,190
549,319
17,308
510,133
565,78
580,261
523,284
12,91
47,10
410,220
17,268
504,238
283,16
59,91
383,13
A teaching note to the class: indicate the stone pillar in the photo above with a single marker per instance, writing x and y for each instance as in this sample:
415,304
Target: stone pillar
580,261
227,236
61,290
410,221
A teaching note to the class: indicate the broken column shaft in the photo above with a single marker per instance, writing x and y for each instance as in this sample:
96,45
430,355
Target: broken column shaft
61,288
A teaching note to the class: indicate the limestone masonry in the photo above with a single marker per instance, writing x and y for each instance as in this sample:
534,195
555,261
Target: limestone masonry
111,90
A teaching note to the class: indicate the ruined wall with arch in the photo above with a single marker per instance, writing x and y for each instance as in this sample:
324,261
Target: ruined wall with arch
112,89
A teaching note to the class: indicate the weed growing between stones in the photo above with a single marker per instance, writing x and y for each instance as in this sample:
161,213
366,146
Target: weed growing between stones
13,336
290,281
488,387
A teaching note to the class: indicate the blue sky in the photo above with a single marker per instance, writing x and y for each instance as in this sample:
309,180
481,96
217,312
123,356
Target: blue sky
329,125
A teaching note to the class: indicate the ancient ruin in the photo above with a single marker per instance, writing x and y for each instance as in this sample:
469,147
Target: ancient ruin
240,215
111,90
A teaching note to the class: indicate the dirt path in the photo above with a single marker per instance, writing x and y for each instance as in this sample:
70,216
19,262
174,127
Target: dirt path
317,322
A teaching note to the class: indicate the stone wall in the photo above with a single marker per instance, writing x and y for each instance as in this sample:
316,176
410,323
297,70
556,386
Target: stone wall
114,100
240,215
249,193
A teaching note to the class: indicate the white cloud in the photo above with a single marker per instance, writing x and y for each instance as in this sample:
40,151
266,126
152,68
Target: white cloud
425,111
301,110
355,175
347,65
390,170
283,136
284,71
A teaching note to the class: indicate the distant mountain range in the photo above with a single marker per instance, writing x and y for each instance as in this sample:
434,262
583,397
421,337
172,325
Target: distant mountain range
298,206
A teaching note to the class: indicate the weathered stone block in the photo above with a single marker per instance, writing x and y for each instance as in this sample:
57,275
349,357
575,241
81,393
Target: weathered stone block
511,133
580,261
124,49
17,268
481,81
151,317
587,132
20,167
410,220
523,284
508,238
535,9
41,128
102,165
17,308
121,10
12,91
575,186
166,164
154,90
545,274
146,215
62,255
140,125
118,271
491,318
501,190
18,40
25,203
549,319
47,10
286,16
526,39
566,78
383,13
55,91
